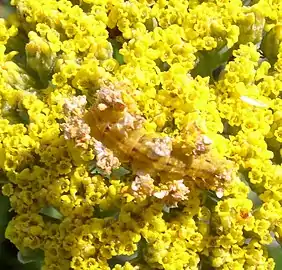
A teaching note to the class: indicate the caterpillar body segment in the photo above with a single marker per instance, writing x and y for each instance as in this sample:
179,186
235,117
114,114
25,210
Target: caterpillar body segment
122,131
132,146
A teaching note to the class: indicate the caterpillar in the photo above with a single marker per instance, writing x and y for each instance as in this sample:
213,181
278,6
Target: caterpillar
115,121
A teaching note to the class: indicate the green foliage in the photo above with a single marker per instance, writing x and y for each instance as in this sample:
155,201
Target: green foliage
116,54
211,62
51,212
5,216
31,258
275,251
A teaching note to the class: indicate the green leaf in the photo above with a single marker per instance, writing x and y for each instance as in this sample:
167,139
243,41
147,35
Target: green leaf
210,199
210,61
116,54
5,216
119,173
116,173
100,213
32,266
9,260
6,10
205,263
28,256
275,252
23,114
93,169
252,195
122,259
52,212
97,170
271,42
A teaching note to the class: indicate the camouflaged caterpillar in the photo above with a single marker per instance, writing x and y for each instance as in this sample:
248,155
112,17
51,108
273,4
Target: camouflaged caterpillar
119,128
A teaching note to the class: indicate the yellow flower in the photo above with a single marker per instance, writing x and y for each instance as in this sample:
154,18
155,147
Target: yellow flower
278,134
7,189
59,79
69,53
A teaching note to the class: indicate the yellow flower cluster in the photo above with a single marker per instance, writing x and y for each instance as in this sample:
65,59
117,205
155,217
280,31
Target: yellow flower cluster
53,52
